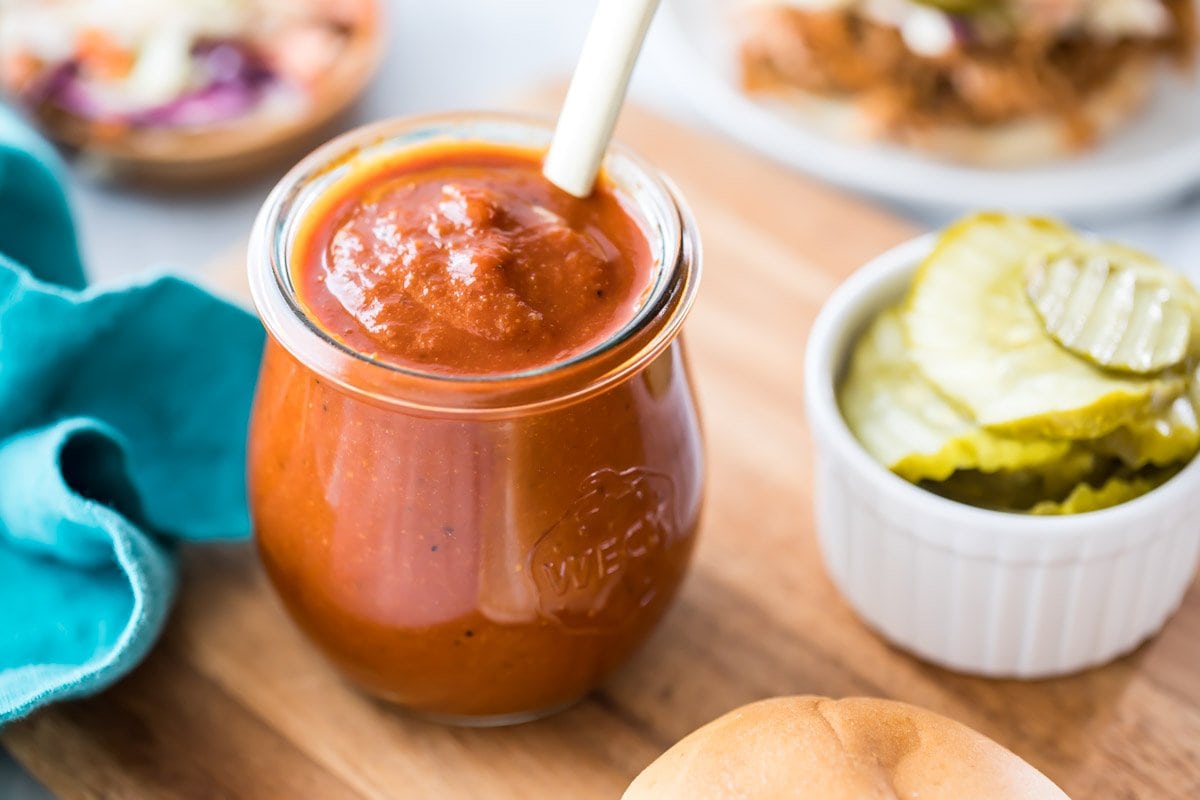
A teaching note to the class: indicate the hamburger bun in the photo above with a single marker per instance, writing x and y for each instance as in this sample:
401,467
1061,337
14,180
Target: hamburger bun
1025,142
804,748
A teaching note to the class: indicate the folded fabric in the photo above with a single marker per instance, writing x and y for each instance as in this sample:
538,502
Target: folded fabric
123,420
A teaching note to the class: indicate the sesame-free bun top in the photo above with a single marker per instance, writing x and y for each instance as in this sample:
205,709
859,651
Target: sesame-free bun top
803,748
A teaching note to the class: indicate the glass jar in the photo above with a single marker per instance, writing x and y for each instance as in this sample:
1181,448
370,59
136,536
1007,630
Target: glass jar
483,550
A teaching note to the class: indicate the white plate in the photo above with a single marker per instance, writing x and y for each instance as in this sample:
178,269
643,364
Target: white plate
1154,160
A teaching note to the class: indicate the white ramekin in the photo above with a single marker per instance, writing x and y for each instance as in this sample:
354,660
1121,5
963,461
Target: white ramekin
986,592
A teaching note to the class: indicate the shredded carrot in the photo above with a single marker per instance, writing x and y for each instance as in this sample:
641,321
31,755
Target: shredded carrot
18,70
101,56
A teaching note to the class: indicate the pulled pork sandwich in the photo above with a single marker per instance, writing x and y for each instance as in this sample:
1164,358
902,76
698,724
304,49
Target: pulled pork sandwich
986,81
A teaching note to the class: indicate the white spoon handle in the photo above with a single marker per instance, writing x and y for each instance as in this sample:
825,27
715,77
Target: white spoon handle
597,91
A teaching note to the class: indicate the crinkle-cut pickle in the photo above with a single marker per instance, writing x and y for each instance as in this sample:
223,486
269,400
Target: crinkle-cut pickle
1166,438
906,425
1113,306
1021,489
974,334
1114,491
1031,370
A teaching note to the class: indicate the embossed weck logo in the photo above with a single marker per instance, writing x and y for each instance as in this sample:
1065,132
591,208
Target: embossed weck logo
598,563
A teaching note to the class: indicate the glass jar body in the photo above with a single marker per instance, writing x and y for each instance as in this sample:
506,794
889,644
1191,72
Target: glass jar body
479,548
482,569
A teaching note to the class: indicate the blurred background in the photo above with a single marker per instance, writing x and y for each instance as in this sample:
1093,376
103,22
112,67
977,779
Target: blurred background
449,54
452,54
461,54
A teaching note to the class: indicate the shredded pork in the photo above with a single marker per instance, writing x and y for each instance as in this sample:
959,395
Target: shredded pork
839,52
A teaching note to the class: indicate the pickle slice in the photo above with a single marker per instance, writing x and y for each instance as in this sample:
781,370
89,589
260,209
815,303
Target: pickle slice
974,334
1116,490
905,424
1116,307
1019,489
1170,436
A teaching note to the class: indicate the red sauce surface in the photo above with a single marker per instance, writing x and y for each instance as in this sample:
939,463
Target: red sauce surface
466,260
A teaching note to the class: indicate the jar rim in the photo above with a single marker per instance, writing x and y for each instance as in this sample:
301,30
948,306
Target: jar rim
657,208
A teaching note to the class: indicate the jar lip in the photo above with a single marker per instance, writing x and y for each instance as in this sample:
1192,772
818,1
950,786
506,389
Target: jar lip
656,205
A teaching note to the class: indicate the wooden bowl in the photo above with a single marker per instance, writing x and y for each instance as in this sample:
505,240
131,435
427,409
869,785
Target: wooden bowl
237,150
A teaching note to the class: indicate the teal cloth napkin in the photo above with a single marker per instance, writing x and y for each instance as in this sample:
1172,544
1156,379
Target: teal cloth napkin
122,430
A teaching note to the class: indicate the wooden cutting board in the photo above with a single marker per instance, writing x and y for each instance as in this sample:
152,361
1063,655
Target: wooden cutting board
234,704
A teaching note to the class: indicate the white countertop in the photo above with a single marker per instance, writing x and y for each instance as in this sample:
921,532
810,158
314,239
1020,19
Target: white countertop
452,54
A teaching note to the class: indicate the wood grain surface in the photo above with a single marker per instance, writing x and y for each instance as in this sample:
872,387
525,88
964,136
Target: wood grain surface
235,704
